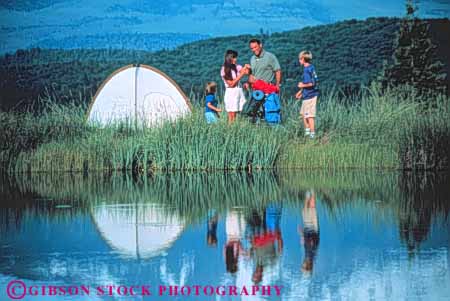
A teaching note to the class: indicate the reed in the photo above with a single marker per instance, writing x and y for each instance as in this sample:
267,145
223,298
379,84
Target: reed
188,144
390,130
338,155
374,129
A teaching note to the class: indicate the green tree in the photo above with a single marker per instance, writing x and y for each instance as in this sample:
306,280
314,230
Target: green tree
415,61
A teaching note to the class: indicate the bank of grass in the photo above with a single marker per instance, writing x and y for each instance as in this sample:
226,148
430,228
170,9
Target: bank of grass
188,144
394,129
375,130
335,155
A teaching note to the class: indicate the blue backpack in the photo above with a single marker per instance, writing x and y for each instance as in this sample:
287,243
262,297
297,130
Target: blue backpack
272,109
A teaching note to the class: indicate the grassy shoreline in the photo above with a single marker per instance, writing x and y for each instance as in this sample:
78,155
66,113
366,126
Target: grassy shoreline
338,155
372,130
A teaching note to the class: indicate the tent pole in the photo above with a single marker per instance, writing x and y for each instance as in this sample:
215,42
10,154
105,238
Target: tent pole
135,98
137,231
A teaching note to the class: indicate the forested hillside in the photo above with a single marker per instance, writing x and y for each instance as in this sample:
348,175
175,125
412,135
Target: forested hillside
346,54
138,41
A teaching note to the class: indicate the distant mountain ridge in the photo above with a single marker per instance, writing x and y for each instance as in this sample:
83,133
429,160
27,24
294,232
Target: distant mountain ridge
143,41
28,5
27,23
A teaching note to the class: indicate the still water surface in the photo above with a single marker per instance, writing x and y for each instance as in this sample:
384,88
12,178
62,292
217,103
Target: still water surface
266,236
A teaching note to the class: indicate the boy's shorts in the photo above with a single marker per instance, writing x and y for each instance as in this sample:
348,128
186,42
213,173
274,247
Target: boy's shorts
308,109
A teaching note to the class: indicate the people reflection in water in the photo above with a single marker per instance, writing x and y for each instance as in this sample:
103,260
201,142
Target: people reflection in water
310,232
265,237
211,233
235,229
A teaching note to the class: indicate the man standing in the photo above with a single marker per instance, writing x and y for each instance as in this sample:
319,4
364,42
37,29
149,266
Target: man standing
265,65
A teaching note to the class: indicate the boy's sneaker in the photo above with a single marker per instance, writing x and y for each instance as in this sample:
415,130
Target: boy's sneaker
307,132
312,135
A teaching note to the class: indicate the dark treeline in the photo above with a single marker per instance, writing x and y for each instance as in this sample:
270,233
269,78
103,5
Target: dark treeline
27,5
139,41
347,55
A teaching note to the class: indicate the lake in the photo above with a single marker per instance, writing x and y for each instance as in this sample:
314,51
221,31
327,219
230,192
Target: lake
226,236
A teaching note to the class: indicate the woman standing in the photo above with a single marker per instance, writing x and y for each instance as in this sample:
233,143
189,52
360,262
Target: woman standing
231,74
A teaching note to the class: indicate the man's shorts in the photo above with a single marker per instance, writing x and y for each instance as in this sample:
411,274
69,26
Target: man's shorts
308,109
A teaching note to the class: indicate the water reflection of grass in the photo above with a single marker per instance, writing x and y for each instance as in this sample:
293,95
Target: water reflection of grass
426,196
370,194
199,192
190,195
414,201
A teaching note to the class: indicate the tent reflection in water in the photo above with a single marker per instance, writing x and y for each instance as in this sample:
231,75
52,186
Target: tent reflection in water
138,94
137,230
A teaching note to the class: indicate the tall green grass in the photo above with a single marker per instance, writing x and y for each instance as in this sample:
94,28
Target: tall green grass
24,132
374,129
187,144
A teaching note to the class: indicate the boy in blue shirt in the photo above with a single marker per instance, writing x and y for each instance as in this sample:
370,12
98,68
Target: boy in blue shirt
308,93
211,109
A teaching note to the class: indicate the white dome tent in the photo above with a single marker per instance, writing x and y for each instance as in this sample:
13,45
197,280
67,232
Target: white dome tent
138,94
